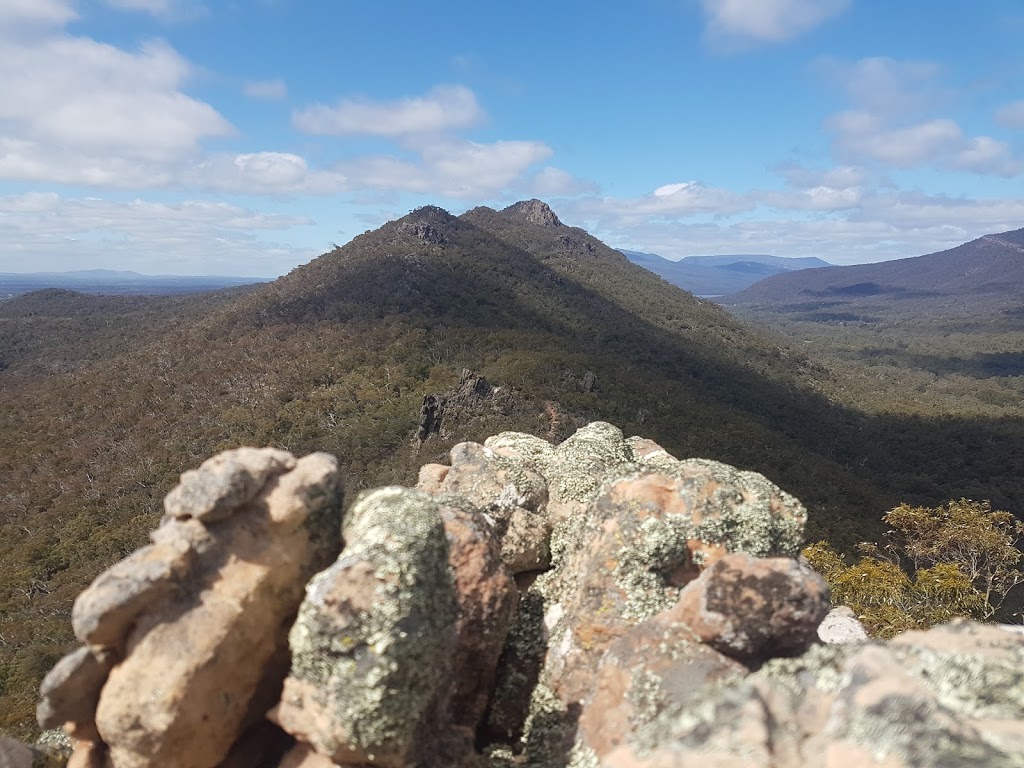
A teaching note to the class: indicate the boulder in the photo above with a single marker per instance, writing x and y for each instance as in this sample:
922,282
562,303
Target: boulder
373,643
70,692
487,597
754,609
230,592
951,696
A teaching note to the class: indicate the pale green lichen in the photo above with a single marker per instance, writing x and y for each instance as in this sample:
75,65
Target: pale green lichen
578,466
376,670
974,685
821,667
531,448
746,512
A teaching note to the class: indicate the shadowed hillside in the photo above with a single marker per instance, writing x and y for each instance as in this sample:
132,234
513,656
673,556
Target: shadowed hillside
982,276
107,400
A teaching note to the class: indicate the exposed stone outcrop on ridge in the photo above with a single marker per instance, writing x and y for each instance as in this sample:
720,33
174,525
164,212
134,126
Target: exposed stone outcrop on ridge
593,603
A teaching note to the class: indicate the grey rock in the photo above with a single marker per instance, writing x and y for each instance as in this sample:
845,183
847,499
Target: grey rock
70,692
16,754
374,638
840,626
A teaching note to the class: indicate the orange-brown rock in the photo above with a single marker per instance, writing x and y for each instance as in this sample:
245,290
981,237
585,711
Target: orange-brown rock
754,609
208,658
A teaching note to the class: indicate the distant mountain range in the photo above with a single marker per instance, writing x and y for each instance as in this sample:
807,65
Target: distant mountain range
978,277
107,281
721,274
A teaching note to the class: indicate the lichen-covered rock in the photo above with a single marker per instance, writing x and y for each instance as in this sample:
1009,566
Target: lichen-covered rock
524,544
840,626
656,669
576,469
487,598
373,642
508,490
532,450
209,657
638,536
952,696
70,692
754,609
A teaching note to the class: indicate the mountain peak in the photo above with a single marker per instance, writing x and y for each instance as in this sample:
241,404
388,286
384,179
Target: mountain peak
534,212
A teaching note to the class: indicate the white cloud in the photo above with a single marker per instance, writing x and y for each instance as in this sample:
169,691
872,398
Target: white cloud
68,95
270,90
550,181
767,21
669,202
455,168
22,14
441,109
893,122
167,10
1011,115
50,232
882,226
863,134
886,86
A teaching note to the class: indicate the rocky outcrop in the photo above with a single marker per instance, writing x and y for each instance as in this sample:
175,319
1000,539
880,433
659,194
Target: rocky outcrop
533,212
593,603
471,398
186,639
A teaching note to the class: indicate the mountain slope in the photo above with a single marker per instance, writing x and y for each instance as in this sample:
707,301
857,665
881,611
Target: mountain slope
985,273
718,275
340,355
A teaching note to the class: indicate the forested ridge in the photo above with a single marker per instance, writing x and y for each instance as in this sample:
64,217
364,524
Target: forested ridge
107,399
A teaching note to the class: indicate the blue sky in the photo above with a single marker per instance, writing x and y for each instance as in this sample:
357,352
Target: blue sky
207,137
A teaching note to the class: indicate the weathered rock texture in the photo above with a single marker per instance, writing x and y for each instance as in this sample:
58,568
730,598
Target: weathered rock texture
662,618
187,638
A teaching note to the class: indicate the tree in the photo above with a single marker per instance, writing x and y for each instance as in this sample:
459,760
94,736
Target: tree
981,543
960,559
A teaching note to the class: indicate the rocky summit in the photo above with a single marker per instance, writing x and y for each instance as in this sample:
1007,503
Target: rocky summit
593,603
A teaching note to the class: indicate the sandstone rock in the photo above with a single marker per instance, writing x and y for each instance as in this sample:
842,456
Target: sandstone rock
230,608
70,692
373,642
225,482
493,483
651,454
487,597
754,609
303,756
638,536
89,754
840,626
104,614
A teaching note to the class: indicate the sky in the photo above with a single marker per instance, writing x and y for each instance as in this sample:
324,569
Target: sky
247,137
